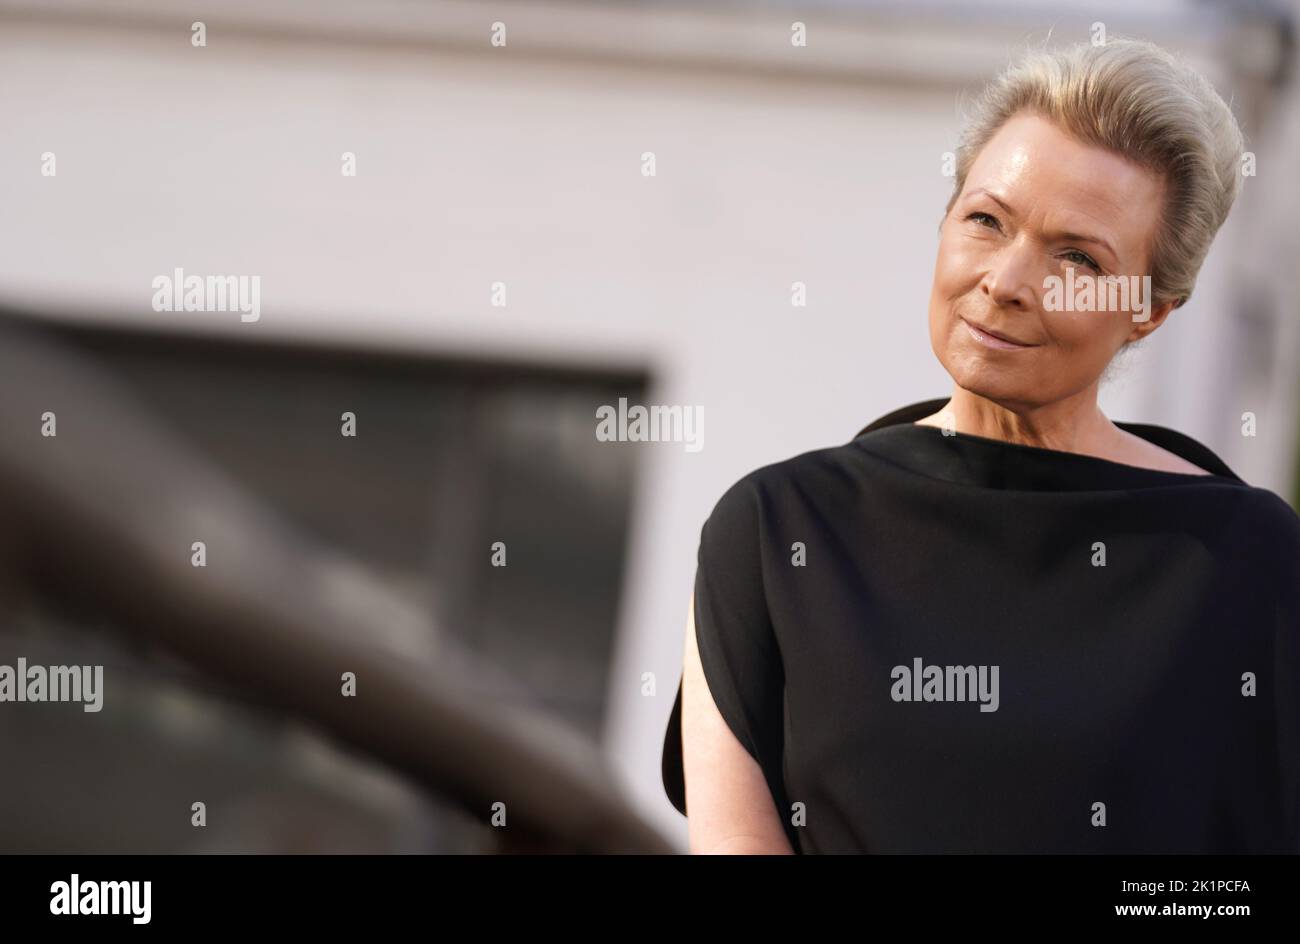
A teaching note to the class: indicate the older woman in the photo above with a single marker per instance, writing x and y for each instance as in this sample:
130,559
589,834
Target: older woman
1000,621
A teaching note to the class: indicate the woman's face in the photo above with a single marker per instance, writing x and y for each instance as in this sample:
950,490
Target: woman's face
1036,203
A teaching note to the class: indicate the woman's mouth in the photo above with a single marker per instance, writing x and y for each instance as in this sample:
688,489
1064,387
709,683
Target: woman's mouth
989,339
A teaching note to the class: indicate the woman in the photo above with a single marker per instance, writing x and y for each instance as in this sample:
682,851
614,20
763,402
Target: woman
999,621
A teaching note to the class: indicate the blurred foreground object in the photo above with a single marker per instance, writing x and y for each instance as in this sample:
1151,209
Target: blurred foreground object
105,512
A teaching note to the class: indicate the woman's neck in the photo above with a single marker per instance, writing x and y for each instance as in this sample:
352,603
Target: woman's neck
1074,424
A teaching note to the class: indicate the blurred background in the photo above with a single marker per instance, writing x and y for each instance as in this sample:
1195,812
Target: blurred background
484,168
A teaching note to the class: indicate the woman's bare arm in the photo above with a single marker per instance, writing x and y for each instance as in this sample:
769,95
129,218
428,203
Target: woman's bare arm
729,803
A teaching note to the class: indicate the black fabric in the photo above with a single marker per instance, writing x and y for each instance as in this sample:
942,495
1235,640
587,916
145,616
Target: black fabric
1119,684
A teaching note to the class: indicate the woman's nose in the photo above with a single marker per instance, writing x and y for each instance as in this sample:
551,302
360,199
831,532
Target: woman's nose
1013,277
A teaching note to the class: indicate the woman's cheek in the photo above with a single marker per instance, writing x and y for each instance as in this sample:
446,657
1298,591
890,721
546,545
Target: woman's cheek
1090,335
958,267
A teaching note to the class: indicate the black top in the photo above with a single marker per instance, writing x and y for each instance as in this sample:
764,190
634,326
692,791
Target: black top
951,643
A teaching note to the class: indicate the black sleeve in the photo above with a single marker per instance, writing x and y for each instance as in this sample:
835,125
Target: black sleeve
1286,553
737,644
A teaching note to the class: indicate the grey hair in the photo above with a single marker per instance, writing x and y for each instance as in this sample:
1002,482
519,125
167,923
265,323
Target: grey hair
1137,100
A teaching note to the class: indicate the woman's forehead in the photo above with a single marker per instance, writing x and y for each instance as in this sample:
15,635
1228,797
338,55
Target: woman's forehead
1028,151
1046,176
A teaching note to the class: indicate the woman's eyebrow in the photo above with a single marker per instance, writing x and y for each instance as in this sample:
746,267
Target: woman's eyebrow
994,197
1065,235
1084,238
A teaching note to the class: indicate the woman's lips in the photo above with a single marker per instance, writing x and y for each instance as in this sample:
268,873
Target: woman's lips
988,340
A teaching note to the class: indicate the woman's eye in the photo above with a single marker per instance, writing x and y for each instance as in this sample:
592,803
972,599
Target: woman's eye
1083,259
979,217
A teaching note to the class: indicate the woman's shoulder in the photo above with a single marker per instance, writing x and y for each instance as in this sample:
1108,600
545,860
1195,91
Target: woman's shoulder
1148,455
1273,531
1274,512
1149,445
1257,531
823,472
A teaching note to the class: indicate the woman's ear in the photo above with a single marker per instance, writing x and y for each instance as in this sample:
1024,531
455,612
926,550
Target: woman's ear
1154,320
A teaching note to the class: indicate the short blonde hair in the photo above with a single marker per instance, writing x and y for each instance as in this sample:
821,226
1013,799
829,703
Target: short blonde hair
1137,100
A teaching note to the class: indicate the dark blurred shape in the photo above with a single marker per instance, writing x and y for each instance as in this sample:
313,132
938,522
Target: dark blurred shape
223,682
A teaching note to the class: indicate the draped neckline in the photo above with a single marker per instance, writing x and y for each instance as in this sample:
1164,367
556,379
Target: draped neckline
982,461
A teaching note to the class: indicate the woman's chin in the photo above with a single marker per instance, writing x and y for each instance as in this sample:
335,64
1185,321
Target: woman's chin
992,381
